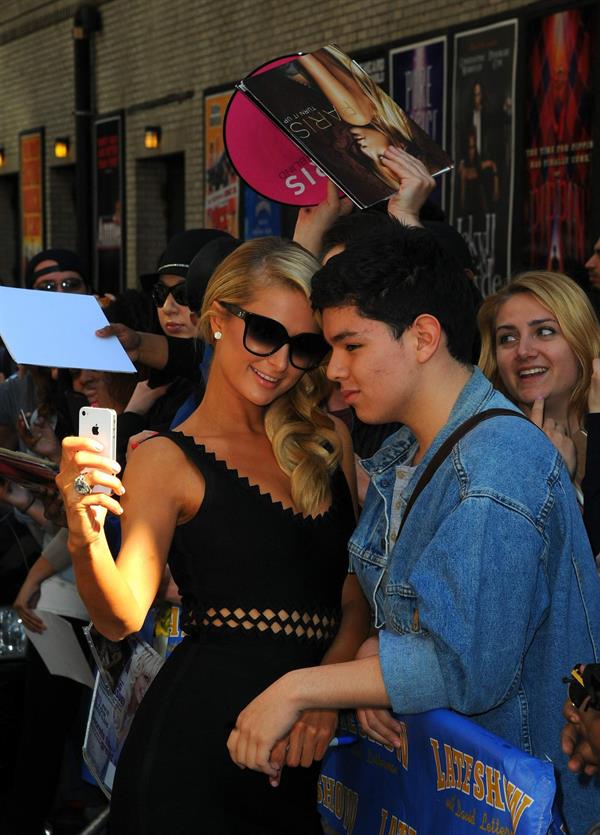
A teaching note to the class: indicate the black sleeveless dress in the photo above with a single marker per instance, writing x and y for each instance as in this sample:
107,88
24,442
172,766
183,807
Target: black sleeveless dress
261,589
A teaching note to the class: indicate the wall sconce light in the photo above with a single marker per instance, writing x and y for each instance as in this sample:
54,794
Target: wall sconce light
61,147
2,157
152,137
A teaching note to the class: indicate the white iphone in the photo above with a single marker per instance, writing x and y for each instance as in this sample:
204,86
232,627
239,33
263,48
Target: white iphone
100,425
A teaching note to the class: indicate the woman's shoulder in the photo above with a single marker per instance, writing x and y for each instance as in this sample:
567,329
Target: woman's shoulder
162,468
157,453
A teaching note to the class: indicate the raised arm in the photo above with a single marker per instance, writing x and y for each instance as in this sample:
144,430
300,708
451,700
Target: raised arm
119,594
150,349
338,85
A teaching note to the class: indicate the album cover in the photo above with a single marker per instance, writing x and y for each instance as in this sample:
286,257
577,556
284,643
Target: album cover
333,111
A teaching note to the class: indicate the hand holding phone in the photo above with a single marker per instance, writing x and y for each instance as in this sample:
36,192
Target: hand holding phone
26,423
100,425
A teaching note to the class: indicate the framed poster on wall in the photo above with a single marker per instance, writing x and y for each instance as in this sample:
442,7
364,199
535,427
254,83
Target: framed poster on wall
483,143
109,204
558,143
31,167
221,182
262,217
375,64
418,81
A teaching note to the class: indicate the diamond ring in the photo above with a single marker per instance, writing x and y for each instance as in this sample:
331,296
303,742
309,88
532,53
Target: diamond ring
81,485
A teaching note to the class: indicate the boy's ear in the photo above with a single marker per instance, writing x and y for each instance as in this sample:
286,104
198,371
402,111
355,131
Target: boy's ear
427,333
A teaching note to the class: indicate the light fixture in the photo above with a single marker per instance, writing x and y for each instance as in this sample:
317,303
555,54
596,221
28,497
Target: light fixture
61,147
2,157
151,137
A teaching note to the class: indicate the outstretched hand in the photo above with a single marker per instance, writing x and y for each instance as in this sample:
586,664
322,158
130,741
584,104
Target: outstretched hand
267,720
580,738
40,437
144,397
556,432
24,604
129,339
377,722
314,221
307,741
416,184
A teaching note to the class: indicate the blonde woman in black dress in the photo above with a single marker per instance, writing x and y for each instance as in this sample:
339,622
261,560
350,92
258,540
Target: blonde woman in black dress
252,502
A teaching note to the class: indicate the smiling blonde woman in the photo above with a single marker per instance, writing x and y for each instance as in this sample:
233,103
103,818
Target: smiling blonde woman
539,337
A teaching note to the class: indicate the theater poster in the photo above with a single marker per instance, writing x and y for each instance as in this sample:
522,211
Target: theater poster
31,152
262,217
418,84
483,146
221,183
376,65
108,204
558,144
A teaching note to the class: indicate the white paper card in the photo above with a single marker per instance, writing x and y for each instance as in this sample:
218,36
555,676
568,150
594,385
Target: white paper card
60,650
61,598
58,330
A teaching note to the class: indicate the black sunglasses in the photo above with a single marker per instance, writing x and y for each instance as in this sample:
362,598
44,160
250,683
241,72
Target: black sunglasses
160,292
68,285
264,336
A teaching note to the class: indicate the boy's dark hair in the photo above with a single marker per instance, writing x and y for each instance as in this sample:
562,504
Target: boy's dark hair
356,227
395,277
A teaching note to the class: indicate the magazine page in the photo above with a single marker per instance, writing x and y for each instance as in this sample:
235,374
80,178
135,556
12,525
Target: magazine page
60,650
110,656
333,111
61,598
113,708
25,469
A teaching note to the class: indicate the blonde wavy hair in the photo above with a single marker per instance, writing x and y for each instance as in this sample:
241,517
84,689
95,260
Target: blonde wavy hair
305,443
572,309
387,117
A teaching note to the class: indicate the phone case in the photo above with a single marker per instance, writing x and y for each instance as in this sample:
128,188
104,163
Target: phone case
101,425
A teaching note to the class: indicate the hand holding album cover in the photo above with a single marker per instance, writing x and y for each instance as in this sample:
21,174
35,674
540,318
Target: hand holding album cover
320,116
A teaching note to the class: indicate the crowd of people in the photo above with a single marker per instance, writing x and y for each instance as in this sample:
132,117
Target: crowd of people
367,487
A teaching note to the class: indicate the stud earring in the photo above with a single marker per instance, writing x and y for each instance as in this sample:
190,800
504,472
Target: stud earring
217,335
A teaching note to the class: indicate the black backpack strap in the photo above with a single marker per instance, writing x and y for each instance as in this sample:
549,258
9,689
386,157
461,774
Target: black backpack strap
447,447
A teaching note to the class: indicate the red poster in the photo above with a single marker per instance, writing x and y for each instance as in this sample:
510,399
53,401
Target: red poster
559,145
221,183
31,146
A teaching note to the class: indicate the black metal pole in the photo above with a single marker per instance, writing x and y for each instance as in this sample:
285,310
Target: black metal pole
86,22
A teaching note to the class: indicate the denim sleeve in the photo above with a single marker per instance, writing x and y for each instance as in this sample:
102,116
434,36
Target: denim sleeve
482,592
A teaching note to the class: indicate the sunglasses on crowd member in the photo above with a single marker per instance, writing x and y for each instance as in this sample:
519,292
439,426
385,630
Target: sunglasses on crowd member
160,292
264,337
67,285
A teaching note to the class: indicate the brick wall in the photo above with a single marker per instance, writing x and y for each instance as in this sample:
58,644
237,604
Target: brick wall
62,207
151,215
151,49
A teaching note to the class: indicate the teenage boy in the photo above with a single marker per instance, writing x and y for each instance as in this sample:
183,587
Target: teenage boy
489,595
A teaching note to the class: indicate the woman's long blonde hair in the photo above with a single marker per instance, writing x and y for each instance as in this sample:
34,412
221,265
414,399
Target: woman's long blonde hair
569,304
305,443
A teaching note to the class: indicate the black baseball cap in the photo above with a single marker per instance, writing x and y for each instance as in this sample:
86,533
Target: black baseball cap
203,266
65,259
178,255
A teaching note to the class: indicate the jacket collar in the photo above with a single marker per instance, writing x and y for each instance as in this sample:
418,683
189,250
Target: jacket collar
473,398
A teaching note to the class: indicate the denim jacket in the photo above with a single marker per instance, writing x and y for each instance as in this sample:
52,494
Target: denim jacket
490,594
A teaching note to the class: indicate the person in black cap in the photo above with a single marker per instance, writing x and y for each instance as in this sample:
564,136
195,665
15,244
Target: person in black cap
56,270
167,286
